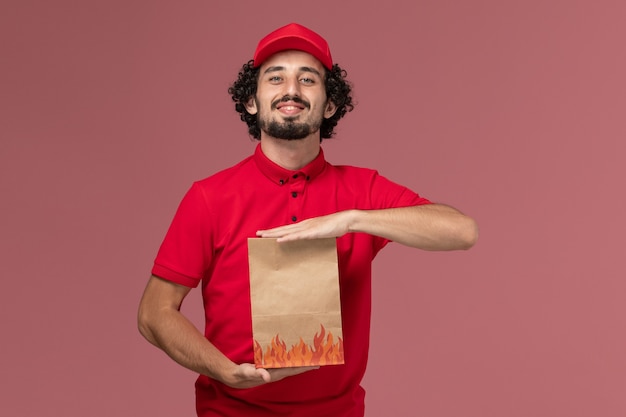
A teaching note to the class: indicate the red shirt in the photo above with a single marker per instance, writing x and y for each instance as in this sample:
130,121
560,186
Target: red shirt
207,242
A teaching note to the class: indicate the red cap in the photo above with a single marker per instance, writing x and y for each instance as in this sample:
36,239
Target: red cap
293,36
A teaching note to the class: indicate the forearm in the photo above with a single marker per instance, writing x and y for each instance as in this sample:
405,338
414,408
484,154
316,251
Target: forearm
169,330
163,325
428,227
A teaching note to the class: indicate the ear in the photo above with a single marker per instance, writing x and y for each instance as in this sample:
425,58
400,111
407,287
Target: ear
330,109
251,106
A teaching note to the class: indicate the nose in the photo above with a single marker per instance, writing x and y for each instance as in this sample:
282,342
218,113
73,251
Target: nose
292,87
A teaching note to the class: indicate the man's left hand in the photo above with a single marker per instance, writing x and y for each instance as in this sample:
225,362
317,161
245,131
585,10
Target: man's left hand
332,225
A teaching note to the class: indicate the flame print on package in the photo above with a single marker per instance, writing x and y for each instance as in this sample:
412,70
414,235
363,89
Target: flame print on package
323,352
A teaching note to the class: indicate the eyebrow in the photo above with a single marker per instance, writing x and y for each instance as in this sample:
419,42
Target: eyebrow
301,69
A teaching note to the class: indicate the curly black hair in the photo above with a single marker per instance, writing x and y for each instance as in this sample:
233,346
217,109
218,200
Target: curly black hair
337,90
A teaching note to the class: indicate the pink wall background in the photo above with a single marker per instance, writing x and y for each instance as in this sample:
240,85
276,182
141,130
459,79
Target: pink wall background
512,111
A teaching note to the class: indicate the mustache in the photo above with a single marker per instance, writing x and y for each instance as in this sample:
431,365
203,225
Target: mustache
295,99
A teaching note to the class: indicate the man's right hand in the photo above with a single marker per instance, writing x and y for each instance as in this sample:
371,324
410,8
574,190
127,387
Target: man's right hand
162,323
247,375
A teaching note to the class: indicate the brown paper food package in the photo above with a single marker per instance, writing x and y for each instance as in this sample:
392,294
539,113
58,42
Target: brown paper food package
296,310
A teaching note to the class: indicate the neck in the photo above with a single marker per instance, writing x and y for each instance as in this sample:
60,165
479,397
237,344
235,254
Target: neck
291,154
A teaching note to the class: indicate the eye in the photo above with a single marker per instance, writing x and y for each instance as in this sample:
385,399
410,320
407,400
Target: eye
274,79
307,80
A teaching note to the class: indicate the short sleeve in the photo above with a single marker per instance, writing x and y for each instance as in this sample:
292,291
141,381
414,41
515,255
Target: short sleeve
388,194
186,251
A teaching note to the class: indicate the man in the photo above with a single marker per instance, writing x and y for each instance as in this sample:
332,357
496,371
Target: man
291,95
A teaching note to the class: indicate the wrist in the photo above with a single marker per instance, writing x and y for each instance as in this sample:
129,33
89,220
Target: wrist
226,377
225,372
354,219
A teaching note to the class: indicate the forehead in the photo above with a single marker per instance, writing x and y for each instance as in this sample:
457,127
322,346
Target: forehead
292,59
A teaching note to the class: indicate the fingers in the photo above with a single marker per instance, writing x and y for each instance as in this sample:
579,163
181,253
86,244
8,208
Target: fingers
289,236
275,233
279,373
249,376
264,374
333,225
281,231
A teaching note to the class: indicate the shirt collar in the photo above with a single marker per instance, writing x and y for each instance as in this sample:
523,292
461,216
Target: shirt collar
280,175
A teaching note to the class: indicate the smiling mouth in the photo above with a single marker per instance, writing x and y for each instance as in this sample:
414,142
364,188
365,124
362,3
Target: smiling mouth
290,104
290,108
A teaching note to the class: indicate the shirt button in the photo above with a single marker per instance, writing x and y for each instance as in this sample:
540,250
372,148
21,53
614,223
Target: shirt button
294,194
295,176
281,182
294,218
308,178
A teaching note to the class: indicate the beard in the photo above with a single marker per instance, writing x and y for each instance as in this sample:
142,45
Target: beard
289,128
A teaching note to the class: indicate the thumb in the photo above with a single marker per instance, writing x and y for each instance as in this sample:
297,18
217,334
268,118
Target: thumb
264,374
